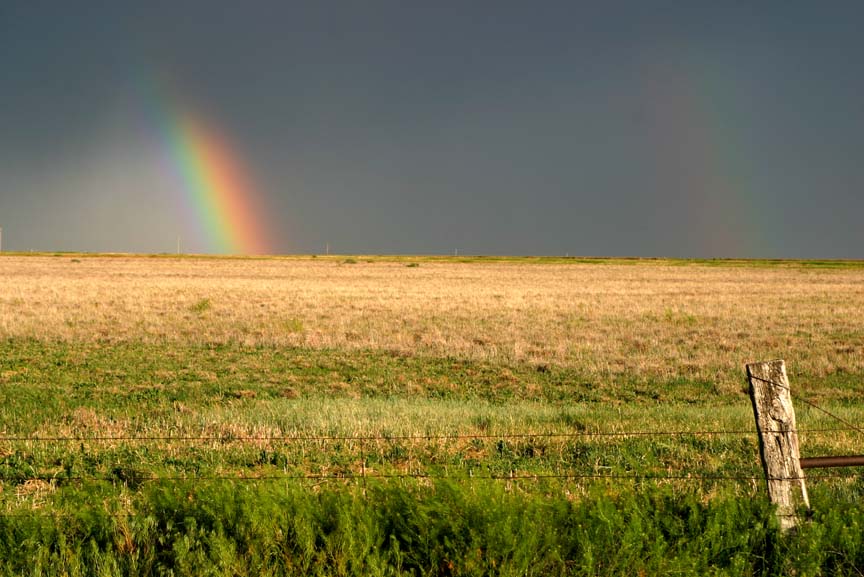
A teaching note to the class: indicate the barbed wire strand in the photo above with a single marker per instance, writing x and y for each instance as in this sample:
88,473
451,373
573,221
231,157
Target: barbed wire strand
809,403
365,438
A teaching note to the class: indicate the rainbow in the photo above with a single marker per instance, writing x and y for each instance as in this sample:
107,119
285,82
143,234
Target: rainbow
217,193
699,157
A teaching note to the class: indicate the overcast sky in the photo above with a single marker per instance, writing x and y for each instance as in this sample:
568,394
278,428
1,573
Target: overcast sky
684,129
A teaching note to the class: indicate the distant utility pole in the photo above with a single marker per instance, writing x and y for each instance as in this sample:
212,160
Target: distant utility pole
327,248
178,245
1,239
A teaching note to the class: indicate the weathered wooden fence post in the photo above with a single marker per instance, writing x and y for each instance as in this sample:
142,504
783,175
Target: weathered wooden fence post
778,439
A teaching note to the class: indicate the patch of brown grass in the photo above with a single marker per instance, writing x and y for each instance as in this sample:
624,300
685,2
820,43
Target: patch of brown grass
656,319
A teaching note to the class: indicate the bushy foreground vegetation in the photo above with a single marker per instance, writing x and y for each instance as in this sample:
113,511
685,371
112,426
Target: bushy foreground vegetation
442,529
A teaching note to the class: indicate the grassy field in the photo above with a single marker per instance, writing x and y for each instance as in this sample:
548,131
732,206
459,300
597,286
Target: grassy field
422,415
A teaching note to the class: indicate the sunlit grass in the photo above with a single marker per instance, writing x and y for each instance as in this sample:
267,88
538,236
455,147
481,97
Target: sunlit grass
167,409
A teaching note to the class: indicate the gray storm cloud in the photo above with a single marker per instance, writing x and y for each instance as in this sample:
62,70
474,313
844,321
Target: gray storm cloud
496,128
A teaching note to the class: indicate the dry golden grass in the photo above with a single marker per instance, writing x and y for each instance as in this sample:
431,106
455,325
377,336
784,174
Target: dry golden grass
658,320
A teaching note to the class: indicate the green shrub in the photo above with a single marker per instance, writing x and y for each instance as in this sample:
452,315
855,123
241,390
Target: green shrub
201,306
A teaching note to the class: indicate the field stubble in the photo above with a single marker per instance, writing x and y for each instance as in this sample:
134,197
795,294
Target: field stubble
654,320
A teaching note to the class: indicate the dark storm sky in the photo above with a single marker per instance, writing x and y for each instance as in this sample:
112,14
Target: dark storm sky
706,129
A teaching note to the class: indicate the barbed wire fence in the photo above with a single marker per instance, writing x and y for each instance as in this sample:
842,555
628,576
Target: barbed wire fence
365,439
463,476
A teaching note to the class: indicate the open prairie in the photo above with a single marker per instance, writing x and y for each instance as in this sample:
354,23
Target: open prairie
138,395
643,320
